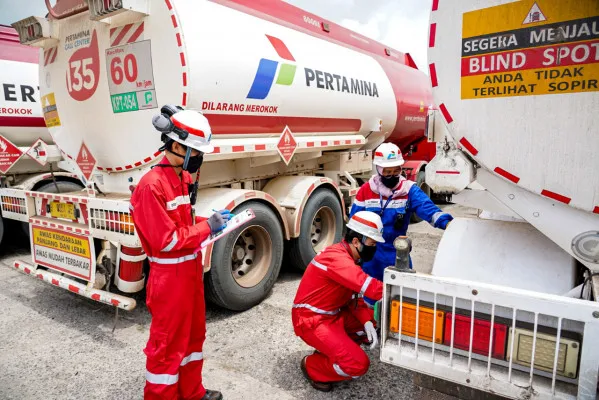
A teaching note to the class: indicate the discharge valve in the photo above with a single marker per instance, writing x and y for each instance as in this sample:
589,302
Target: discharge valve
403,247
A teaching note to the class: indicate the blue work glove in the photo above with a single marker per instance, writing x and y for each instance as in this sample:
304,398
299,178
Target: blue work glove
226,214
443,221
218,220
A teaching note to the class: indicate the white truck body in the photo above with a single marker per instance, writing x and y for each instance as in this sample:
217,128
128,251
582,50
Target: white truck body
516,89
28,157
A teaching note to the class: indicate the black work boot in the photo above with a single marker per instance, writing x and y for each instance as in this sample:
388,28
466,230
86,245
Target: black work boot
212,395
322,386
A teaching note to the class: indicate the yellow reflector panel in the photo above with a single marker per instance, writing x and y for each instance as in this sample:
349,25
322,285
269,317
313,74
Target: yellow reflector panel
425,321
567,359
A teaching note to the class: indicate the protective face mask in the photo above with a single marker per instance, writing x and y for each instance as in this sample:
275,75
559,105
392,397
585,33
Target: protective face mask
366,252
193,163
390,181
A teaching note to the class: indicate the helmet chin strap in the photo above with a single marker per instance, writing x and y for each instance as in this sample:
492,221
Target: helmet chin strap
186,160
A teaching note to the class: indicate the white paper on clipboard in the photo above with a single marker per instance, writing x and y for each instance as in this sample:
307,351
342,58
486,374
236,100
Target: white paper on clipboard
239,219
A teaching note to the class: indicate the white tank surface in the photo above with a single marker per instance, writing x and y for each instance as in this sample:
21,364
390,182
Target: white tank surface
21,119
249,75
518,85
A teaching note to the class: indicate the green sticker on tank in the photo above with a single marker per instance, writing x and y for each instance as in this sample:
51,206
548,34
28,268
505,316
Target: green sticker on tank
124,102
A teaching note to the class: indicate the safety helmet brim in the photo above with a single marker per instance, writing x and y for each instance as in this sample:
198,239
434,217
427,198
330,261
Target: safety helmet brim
389,163
204,147
371,233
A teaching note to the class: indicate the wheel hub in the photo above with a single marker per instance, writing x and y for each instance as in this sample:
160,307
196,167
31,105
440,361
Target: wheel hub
322,232
251,256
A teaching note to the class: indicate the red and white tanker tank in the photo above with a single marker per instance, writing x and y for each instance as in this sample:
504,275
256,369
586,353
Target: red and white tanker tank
253,67
21,119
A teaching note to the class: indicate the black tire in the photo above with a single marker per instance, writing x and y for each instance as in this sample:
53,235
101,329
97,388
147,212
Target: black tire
301,250
226,290
50,187
421,183
1,229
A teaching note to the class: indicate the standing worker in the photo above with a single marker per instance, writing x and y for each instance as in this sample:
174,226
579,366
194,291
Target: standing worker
328,315
171,237
394,199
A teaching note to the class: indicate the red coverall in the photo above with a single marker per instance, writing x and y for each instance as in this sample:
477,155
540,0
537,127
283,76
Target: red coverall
175,293
325,313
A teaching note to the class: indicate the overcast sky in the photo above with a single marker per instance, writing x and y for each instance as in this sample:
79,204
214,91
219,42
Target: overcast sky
400,24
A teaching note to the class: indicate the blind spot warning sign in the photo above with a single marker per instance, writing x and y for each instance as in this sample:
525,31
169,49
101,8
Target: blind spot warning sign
555,50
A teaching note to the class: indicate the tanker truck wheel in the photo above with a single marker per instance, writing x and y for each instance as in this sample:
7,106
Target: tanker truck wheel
246,263
421,183
1,229
63,187
321,226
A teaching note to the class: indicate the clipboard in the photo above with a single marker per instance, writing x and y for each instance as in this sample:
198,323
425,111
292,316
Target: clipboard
238,220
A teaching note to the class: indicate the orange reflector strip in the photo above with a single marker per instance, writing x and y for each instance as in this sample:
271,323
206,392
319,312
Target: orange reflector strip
425,321
127,226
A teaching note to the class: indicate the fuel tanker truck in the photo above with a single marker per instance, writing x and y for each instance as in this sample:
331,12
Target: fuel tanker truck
28,157
510,307
296,105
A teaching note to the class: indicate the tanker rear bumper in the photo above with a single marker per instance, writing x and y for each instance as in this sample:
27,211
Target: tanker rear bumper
481,336
66,283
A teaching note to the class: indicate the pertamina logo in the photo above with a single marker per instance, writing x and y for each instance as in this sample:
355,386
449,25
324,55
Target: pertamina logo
267,69
283,73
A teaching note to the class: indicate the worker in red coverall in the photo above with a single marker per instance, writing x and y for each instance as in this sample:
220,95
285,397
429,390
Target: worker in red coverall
171,237
328,311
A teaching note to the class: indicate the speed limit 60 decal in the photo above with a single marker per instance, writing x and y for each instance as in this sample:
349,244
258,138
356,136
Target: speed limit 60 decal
130,77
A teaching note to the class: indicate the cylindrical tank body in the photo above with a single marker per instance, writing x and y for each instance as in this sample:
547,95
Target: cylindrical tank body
518,85
251,67
21,119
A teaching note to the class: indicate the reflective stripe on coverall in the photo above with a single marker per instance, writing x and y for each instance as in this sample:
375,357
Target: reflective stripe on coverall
175,293
327,315
407,199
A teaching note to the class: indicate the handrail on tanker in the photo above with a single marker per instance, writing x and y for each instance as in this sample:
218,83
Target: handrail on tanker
74,11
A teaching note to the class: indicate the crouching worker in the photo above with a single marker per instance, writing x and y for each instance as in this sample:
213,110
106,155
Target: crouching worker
328,311
171,236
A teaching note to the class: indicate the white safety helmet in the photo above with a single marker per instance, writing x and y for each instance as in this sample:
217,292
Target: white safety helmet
388,155
368,224
188,127
197,127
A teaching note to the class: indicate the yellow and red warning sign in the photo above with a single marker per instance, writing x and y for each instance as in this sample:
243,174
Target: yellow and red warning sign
62,251
528,48
50,111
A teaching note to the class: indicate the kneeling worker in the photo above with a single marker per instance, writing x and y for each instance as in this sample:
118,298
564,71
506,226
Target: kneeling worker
328,315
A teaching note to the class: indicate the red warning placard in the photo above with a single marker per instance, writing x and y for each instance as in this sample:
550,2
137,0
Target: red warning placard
86,161
9,154
287,145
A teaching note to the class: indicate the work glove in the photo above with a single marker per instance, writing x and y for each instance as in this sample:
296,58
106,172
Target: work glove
218,220
443,221
371,334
